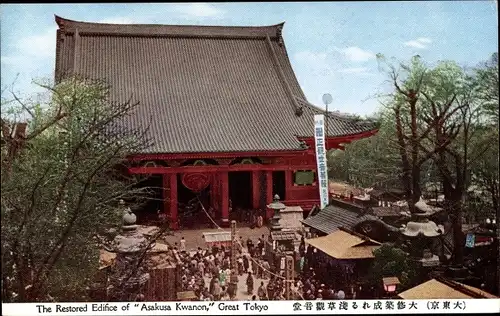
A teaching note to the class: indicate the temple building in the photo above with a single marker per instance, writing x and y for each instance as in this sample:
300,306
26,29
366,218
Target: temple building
228,120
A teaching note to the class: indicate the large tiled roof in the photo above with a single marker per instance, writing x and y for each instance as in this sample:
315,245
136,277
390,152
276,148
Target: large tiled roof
332,217
200,88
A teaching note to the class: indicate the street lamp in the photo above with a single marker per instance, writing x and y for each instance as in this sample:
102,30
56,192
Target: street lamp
327,99
390,285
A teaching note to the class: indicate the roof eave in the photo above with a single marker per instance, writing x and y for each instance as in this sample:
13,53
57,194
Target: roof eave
93,28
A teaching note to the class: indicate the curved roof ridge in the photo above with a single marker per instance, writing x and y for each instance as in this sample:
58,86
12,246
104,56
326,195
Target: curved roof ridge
330,114
69,26
460,287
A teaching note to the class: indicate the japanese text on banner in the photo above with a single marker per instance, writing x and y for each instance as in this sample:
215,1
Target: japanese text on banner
319,137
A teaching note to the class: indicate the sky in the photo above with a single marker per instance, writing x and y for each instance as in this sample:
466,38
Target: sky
331,45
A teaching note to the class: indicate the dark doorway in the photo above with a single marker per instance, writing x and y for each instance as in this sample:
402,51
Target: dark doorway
240,189
191,213
184,195
279,184
153,199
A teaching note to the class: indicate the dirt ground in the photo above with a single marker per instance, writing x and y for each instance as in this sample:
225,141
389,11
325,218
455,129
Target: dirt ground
194,237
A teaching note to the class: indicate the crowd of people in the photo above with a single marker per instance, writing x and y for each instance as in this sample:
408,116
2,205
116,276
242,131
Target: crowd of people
208,274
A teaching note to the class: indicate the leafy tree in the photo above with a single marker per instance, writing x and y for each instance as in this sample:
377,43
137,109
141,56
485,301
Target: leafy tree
61,187
390,261
368,162
438,113
486,80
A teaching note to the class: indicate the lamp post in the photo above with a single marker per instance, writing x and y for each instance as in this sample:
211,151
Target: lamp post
390,285
327,99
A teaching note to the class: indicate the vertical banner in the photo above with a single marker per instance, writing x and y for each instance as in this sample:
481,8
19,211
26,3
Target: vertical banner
319,137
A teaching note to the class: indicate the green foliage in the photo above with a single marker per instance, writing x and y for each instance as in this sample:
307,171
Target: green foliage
368,162
62,189
393,262
486,80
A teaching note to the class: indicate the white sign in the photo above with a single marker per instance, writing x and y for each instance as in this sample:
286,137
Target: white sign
282,263
319,137
300,307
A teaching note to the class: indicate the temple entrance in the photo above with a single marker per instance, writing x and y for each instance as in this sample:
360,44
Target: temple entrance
279,184
240,195
191,214
240,189
148,207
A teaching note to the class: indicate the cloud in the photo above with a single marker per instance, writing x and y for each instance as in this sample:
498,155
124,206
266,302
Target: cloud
314,63
354,70
356,54
420,43
31,57
198,10
42,45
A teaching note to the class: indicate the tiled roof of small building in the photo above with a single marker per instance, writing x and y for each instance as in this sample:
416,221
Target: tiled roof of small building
444,289
200,88
331,218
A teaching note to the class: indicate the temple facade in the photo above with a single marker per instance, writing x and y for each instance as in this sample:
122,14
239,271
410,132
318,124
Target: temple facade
227,117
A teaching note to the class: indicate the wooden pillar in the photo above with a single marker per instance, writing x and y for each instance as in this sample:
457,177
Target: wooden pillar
166,194
173,216
269,192
288,184
224,203
213,191
289,276
255,189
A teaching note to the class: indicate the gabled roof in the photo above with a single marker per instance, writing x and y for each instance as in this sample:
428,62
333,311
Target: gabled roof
200,88
329,219
444,289
344,244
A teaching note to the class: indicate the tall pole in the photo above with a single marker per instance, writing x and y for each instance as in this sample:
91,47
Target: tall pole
289,269
326,125
233,245
327,99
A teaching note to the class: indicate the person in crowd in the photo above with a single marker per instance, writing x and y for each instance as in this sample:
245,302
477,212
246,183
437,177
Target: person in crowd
222,277
262,291
250,283
246,264
224,296
266,269
340,294
183,245
216,290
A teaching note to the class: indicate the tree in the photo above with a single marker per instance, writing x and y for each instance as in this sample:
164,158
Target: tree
390,261
415,121
368,162
61,187
438,114
486,80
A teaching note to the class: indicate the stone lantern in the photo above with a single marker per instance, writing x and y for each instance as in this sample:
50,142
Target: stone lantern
276,206
129,276
421,233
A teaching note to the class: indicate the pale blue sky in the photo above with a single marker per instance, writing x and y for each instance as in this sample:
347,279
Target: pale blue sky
331,45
